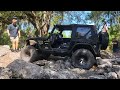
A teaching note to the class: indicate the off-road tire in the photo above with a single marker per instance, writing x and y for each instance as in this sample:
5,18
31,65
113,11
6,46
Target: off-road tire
89,59
29,54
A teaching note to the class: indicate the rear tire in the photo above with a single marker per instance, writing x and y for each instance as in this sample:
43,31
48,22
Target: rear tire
29,54
83,58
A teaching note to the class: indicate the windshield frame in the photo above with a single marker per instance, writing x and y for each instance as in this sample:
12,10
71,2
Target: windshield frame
61,29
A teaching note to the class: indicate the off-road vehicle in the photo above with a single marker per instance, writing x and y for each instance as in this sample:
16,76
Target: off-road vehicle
81,43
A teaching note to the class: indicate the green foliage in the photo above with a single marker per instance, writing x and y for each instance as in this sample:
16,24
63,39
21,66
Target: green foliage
56,20
66,34
37,18
114,33
111,17
4,39
56,31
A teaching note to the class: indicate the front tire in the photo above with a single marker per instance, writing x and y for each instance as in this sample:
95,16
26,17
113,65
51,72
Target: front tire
83,58
29,54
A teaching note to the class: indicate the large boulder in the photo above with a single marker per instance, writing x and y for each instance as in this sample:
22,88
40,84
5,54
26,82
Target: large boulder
28,70
25,70
54,65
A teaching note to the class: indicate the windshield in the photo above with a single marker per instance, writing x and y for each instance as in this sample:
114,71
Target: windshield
66,33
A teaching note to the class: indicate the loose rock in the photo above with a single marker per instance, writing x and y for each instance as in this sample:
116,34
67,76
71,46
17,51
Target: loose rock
97,77
112,75
5,73
31,71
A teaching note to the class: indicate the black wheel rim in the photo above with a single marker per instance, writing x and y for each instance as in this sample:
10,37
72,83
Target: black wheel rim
81,61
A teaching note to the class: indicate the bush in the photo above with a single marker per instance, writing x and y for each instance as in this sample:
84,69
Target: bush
4,39
114,32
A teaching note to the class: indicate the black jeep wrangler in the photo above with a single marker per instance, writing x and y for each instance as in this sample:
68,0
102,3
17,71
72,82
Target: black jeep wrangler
80,42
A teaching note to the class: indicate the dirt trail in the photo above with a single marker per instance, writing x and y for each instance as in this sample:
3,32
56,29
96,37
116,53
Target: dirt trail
6,56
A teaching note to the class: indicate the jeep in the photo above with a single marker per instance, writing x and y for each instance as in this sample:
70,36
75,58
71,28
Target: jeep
81,43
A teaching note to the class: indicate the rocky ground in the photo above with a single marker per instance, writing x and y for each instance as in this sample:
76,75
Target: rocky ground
14,68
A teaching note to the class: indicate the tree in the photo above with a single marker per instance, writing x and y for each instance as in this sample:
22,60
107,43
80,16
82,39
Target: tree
5,18
40,20
75,17
112,18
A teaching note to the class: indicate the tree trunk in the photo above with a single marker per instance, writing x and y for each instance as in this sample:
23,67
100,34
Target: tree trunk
40,22
46,22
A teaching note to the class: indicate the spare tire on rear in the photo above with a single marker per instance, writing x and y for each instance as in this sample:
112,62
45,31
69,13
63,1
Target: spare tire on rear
104,39
29,54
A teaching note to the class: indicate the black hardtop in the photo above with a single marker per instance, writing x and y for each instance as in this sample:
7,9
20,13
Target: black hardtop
73,25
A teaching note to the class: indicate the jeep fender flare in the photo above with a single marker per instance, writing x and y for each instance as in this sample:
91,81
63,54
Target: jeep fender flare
84,46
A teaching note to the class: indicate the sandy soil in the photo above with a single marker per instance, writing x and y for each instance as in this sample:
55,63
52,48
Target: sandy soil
6,56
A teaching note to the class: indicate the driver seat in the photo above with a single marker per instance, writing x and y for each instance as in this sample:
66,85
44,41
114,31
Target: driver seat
55,41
